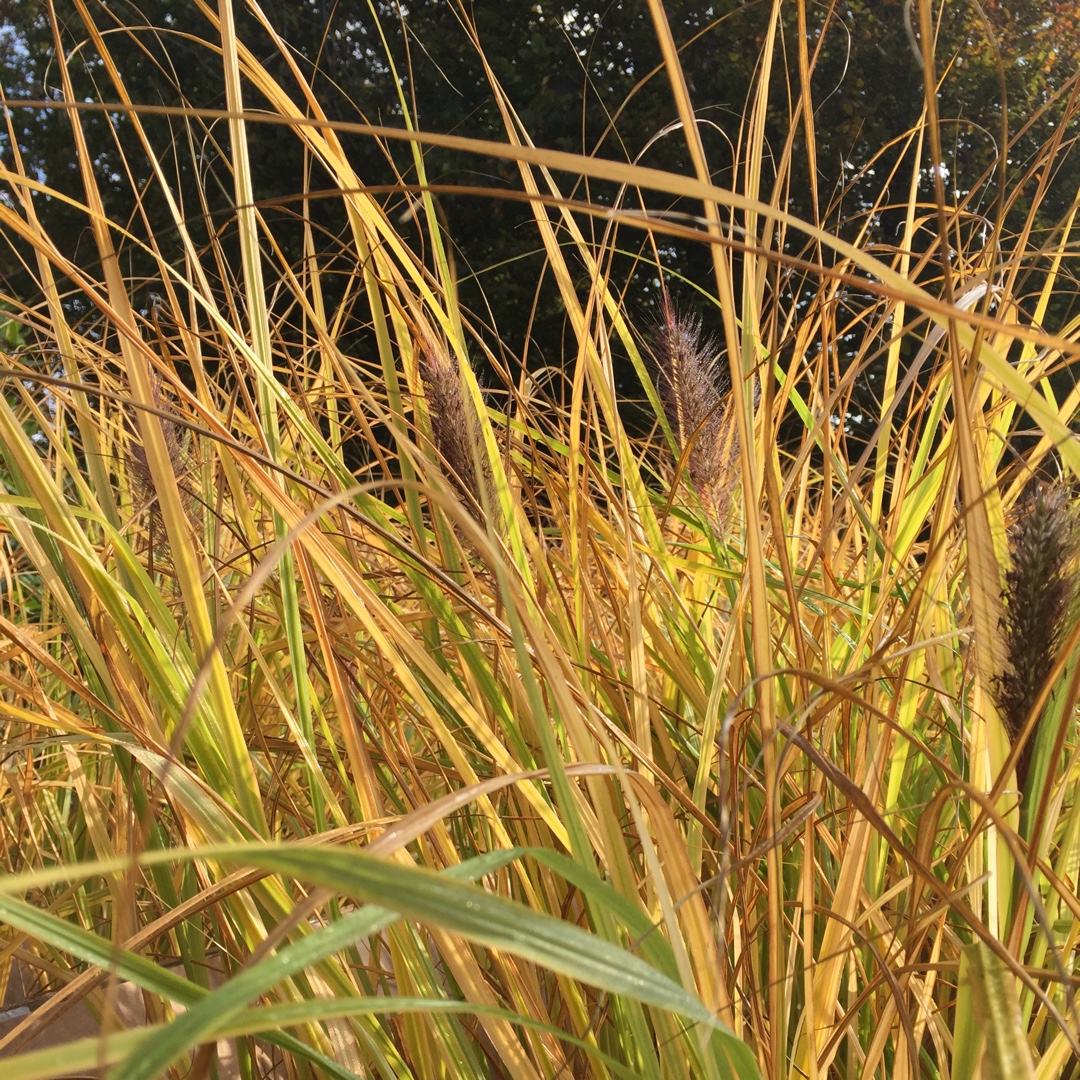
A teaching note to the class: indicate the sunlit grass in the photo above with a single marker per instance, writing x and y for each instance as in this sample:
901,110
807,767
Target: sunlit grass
479,736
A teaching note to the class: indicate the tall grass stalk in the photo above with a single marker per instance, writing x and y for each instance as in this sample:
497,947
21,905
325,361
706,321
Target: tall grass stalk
478,734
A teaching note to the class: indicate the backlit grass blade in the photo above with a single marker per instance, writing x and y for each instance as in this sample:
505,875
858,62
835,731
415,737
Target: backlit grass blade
996,1011
399,891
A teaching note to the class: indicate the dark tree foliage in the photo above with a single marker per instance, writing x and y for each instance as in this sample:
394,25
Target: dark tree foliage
583,77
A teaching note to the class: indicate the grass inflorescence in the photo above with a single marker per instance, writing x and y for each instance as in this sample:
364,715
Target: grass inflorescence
694,386
1039,600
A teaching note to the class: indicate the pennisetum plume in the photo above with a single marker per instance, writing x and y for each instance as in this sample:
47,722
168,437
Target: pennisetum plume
1039,593
695,392
140,477
455,429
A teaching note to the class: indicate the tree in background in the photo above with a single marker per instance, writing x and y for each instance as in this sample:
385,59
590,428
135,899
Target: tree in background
584,76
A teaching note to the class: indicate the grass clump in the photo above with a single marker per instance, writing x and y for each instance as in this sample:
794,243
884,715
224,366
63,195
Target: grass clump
441,721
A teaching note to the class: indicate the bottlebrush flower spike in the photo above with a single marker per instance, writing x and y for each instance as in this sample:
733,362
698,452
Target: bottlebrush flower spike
455,429
1038,596
695,392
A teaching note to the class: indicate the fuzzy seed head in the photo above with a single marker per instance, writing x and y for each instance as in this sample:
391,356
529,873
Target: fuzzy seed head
694,390
1038,597
140,477
455,430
